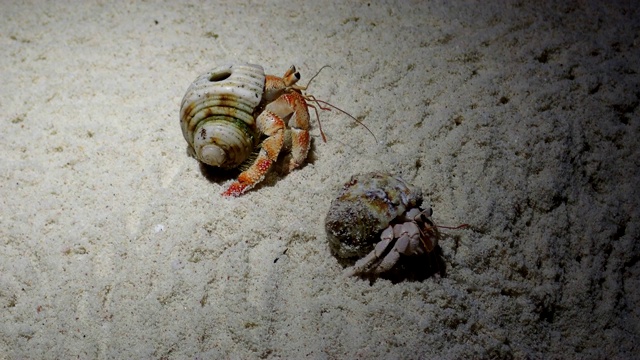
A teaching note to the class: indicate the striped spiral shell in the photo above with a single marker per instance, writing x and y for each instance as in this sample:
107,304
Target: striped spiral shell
217,114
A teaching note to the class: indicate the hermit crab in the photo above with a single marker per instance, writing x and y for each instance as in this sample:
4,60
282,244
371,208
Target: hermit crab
376,218
233,111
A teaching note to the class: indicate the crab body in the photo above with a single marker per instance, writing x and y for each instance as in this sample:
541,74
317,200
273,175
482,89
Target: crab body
232,111
376,218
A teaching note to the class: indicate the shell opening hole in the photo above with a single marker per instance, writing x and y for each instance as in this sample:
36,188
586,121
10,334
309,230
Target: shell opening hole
219,76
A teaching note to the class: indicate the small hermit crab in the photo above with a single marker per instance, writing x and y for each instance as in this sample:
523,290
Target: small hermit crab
233,110
377,217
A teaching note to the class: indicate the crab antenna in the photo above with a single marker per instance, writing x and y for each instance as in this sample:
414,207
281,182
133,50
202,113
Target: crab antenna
324,138
312,98
314,76
319,102
463,226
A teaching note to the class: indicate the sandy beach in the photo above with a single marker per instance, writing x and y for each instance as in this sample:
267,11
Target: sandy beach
520,119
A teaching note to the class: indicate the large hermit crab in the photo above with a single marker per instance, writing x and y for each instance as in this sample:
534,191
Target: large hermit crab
376,218
233,110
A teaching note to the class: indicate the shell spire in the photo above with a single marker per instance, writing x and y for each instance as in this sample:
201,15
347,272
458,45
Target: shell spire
217,114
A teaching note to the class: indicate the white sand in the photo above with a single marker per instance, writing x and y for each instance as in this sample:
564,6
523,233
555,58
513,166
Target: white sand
519,120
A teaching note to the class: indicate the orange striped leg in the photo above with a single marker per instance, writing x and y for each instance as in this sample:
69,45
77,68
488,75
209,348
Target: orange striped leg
271,125
299,129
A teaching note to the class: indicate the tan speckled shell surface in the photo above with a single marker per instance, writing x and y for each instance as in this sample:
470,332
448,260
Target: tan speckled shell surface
365,206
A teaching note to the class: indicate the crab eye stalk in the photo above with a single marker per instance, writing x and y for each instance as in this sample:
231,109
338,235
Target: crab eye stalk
291,77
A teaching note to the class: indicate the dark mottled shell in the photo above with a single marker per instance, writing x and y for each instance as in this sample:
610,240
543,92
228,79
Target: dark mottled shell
364,207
